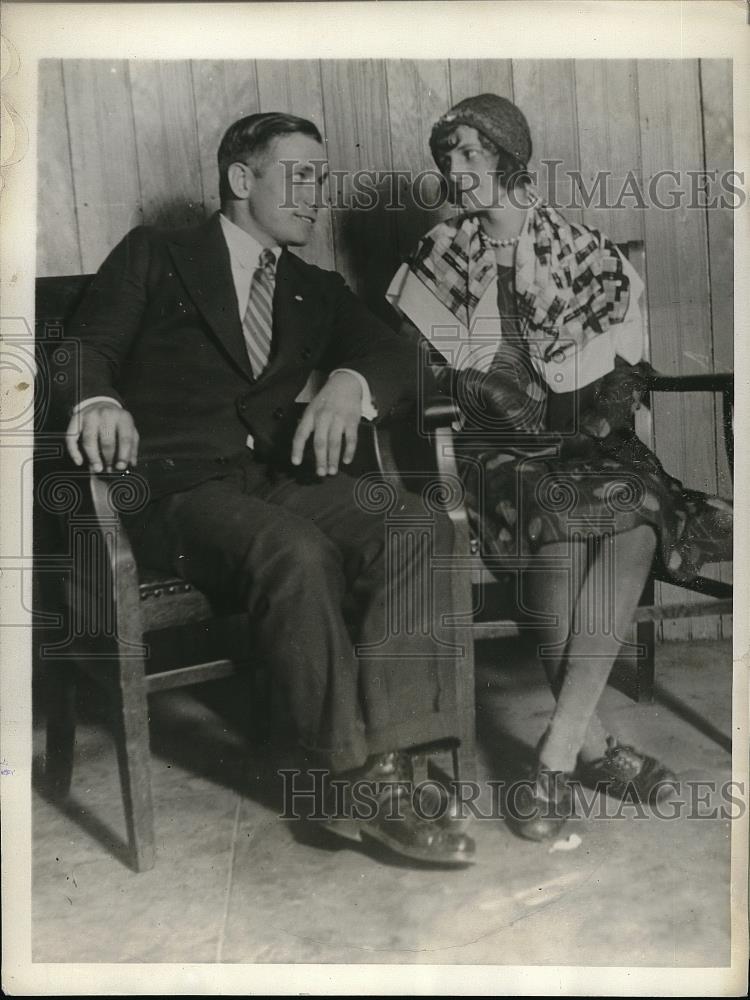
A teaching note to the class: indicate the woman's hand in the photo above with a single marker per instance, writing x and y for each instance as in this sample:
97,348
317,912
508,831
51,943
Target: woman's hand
619,394
493,400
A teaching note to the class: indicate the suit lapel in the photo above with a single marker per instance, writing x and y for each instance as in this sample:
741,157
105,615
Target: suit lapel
202,259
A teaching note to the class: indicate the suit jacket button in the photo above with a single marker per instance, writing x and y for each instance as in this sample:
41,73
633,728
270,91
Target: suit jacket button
278,413
243,406
306,352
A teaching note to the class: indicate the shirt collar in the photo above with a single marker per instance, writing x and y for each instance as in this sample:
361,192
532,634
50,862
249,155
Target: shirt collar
244,249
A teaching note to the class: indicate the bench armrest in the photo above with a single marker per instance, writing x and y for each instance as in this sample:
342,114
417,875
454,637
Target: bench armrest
441,411
722,382
714,382
110,495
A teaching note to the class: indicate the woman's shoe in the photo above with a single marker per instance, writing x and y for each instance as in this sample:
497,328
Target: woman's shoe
537,808
624,772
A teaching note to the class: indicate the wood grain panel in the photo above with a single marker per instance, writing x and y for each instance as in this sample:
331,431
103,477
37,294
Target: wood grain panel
677,265
355,98
546,93
102,144
716,97
716,90
607,114
469,77
104,169
223,92
58,249
291,85
167,142
418,94
676,259
294,86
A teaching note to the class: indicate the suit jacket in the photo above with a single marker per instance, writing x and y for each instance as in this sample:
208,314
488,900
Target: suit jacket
160,330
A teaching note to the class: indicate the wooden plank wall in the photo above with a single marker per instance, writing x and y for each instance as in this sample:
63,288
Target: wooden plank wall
122,143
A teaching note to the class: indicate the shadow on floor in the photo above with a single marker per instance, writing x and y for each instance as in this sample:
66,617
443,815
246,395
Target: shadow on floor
233,883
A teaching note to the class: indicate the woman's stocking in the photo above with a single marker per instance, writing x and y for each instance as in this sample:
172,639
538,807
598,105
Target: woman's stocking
603,581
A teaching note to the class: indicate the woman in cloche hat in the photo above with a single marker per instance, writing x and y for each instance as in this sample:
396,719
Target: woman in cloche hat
532,324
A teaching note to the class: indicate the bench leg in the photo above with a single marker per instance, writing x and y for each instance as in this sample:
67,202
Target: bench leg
61,728
465,755
646,638
465,761
134,759
263,707
645,668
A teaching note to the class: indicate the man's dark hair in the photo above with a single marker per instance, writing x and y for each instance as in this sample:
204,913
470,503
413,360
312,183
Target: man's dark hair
247,141
510,172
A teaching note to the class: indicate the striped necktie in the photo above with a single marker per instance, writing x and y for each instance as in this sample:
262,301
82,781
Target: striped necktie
257,325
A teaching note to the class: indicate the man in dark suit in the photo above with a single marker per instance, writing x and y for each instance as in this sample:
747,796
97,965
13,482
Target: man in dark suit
195,346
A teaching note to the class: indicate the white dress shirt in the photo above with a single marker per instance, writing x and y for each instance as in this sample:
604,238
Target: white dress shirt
244,257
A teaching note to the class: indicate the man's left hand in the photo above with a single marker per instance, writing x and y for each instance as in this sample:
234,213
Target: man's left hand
333,415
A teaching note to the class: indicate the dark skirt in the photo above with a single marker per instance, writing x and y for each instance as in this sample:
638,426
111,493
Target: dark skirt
520,500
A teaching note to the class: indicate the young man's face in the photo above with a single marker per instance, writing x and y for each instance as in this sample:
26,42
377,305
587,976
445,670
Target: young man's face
471,169
285,195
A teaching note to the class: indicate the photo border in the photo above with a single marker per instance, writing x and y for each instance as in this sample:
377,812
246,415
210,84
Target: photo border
506,29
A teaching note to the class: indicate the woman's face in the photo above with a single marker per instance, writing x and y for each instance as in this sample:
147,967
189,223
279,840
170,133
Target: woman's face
471,169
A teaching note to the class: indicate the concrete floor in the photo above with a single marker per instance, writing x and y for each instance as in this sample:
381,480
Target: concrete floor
233,883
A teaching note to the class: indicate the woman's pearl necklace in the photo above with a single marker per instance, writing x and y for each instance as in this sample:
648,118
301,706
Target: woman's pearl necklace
492,242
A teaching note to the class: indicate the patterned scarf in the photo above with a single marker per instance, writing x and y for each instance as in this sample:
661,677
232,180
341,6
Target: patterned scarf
569,279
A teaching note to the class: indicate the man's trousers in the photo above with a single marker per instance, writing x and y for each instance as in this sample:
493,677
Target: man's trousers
343,598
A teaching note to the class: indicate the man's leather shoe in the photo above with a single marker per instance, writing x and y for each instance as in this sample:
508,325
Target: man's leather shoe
436,799
624,772
378,806
537,808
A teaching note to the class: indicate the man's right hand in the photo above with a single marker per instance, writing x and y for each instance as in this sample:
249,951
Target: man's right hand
104,435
